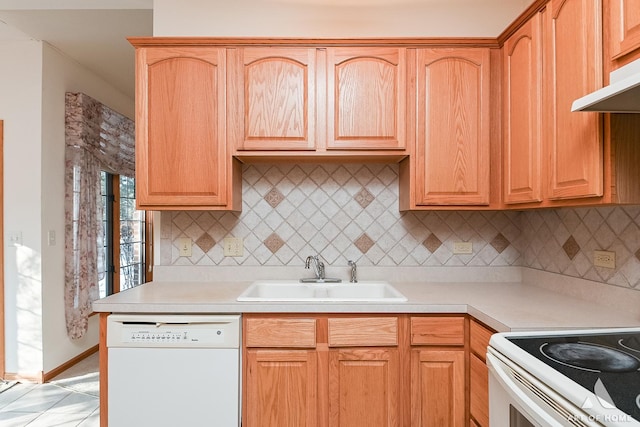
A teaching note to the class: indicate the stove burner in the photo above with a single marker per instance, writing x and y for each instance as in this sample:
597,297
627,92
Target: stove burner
590,357
631,343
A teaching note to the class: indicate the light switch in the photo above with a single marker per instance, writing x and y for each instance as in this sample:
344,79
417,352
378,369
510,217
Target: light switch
184,246
51,238
14,238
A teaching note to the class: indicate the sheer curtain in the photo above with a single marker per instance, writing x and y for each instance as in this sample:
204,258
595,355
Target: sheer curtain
97,138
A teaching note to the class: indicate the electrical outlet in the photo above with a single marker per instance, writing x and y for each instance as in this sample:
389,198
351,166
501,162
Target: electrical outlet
463,248
184,246
606,259
233,246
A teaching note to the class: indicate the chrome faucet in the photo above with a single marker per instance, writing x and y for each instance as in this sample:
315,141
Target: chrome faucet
354,273
318,266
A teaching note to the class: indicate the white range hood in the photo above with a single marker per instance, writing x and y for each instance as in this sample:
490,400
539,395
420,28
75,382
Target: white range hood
621,96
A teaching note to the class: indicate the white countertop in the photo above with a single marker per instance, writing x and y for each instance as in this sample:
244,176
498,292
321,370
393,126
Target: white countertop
503,306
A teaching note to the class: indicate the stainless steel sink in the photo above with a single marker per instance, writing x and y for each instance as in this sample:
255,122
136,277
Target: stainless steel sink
293,290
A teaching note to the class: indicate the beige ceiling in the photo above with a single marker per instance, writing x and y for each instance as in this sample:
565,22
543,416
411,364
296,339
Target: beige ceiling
92,32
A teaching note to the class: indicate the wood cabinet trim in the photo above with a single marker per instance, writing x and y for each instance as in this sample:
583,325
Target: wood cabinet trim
314,42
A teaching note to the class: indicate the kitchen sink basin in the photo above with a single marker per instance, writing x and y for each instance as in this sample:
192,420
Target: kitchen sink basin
295,291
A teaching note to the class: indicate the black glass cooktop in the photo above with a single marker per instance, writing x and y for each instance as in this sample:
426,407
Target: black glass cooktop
605,364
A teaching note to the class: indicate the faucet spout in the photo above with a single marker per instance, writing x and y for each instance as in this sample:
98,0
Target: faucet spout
318,266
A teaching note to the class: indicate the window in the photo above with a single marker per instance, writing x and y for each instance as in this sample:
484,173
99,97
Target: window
125,262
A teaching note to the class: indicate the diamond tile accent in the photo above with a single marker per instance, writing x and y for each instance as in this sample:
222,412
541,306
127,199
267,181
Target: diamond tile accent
432,243
274,243
205,242
500,243
571,247
364,198
364,243
274,197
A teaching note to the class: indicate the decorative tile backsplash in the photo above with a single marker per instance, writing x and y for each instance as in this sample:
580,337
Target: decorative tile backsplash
342,212
563,241
350,212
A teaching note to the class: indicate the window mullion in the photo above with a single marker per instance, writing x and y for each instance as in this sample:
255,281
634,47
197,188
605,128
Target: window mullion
115,232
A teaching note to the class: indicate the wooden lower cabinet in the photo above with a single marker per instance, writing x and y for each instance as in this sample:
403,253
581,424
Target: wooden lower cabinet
281,386
364,370
479,336
437,388
364,387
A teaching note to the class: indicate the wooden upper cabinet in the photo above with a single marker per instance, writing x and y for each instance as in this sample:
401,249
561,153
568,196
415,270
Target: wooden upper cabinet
274,98
181,147
366,98
573,67
453,133
624,21
522,91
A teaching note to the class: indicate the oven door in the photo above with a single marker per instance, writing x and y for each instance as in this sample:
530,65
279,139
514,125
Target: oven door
517,399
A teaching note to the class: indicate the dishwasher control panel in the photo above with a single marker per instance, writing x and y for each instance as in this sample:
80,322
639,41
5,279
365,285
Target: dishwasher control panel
173,331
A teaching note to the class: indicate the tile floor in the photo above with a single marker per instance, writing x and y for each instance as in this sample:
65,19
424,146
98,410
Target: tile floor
70,399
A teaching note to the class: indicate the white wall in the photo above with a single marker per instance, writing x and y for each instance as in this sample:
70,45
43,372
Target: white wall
335,18
61,75
33,80
21,88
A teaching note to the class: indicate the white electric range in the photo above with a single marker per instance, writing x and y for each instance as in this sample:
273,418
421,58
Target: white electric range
582,378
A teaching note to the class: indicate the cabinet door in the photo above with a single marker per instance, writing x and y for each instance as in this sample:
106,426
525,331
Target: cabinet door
437,388
452,140
479,395
274,93
181,155
364,387
624,19
281,388
479,337
522,114
366,98
573,57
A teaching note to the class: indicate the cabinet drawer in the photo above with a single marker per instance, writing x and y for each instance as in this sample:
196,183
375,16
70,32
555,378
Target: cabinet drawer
280,332
363,331
479,339
437,330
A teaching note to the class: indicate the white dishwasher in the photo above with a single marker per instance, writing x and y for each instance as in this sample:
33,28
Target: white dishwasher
173,370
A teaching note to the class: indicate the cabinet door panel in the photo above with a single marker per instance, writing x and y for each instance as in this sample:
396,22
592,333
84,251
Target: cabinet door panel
180,130
281,388
437,388
625,27
453,144
364,387
276,99
522,114
366,92
573,57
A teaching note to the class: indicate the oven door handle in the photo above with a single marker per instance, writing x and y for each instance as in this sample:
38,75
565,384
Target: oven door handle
498,368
